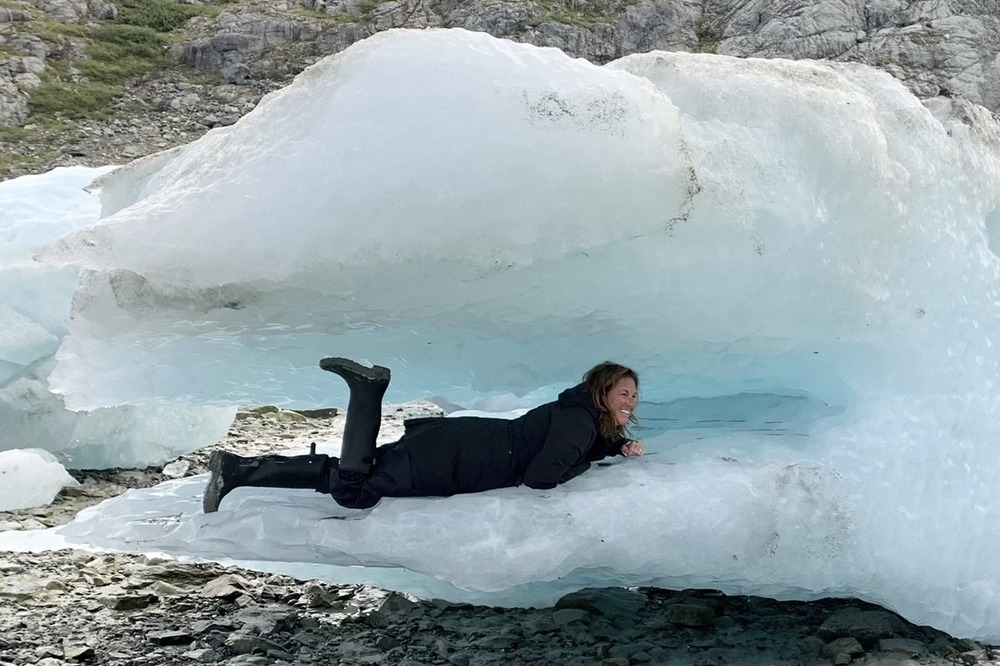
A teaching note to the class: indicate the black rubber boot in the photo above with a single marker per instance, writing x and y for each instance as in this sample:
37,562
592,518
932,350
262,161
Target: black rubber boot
364,411
230,471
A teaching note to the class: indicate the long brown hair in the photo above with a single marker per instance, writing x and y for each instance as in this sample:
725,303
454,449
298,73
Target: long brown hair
600,380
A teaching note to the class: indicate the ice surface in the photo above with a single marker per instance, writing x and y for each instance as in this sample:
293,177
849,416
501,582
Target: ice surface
799,258
30,478
35,302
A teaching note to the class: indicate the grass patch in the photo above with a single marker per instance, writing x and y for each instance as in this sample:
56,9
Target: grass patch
117,54
79,100
14,134
708,30
369,6
132,46
582,14
52,31
122,52
161,15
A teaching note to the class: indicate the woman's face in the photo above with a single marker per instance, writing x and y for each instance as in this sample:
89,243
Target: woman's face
621,400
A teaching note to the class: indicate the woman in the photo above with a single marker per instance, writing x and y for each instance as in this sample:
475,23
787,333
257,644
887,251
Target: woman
440,456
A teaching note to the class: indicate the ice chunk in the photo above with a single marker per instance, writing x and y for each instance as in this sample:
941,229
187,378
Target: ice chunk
30,478
798,257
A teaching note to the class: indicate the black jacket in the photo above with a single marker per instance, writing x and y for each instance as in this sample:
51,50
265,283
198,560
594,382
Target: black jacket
546,446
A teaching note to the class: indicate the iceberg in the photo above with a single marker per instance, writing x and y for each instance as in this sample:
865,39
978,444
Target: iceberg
800,259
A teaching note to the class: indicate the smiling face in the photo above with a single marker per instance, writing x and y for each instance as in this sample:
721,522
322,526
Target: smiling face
621,400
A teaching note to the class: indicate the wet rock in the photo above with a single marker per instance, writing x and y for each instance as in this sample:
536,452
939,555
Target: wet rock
865,626
907,646
689,615
564,616
849,646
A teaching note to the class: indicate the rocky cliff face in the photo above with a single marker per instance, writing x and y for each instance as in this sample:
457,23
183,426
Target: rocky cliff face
214,61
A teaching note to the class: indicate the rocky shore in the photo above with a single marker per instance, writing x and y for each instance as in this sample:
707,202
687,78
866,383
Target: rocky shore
71,607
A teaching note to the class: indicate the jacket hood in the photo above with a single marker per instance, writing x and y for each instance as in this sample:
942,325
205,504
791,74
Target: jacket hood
579,396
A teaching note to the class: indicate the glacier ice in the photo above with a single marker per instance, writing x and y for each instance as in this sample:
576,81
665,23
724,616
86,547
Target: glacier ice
800,258
35,303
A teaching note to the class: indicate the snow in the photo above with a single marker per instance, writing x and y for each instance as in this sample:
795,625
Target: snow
798,257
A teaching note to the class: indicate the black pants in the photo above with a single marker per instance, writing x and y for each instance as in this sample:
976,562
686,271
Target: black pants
390,477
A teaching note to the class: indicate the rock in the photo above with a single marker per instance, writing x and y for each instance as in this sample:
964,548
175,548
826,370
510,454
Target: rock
564,616
391,608
43,651
170,637
328,413
812,646
865,626
78,653
497,642
8,15
617,604
849,646
225,587
127,602
267,620
237,74
202,655
286,415
908,646
176,469
689,615
240,643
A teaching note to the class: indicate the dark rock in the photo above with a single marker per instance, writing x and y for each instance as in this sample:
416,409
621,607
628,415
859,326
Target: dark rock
908,646
204,626
170,637
266,620
618,605
127,602
327,413
246,644
689,615
866,626
564,616
849,646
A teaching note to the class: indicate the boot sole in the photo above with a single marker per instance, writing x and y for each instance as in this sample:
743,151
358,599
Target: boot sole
345,366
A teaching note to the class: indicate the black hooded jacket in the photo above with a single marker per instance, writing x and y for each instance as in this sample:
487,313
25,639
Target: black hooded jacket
547,446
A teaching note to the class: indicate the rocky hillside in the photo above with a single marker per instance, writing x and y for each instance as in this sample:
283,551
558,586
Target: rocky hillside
105,81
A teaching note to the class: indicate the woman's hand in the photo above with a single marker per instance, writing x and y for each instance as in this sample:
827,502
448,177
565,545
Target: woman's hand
632,449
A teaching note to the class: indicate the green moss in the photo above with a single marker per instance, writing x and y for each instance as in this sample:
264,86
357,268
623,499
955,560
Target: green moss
581,13
14,134
80,100
161,15
708,30
123,52
369,6
52,31
116,55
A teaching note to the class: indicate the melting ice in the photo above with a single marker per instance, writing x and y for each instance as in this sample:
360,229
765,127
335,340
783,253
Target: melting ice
798,257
